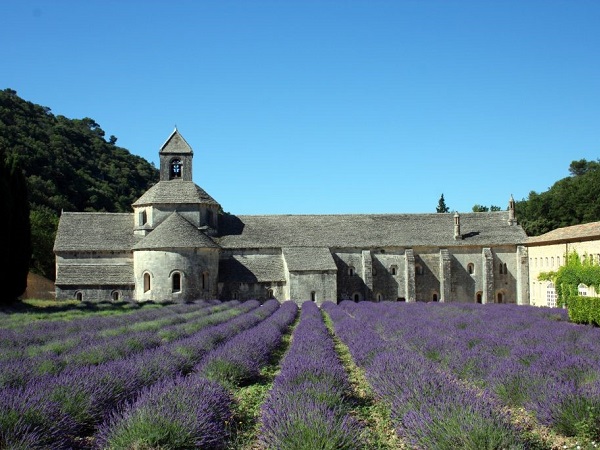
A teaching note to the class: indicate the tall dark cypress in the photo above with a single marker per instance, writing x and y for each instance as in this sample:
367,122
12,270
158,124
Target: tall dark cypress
16,233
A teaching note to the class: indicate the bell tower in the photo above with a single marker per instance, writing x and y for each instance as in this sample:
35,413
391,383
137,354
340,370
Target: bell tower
175,158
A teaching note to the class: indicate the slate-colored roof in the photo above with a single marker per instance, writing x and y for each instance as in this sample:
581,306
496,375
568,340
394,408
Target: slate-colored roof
175,232
175,192
368,230
94,274
95,231
252,269
300,259
583,232
175,143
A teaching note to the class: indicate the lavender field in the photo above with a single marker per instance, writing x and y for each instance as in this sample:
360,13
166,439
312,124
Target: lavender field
231,375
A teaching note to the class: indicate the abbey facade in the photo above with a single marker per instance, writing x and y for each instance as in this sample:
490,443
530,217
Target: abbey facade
179,245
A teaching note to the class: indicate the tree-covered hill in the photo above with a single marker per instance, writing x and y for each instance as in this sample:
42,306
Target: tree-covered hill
571,201
68,165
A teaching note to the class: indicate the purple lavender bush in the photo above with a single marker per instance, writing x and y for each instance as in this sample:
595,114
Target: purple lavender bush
241,358
179,413
307,406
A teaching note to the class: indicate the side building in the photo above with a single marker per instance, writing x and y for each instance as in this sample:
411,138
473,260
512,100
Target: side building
179,245
547,253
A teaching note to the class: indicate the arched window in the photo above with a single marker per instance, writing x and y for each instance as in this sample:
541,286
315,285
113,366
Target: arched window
79,296
479,297
146,282
434,297
235,295
500,297
379,297
394,270
176,169
351,271
270,294
114,295
471,268
356,297
313,296
176,282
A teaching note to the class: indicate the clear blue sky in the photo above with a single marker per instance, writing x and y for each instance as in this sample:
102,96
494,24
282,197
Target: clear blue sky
309,106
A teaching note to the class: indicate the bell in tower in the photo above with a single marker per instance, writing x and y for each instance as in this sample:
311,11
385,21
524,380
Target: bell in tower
175,158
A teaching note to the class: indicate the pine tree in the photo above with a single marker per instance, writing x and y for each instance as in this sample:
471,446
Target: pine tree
441,207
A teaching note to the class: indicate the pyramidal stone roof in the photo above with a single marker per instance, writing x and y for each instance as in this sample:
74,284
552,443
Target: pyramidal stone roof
175,192
175,143
175,232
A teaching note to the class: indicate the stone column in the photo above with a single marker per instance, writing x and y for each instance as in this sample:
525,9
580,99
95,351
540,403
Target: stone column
367,268
409,276
487,278
522,277
445,275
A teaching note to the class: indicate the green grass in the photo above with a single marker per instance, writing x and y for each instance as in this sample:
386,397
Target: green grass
249,398
379,432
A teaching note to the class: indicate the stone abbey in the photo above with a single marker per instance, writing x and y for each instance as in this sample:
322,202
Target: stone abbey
179,245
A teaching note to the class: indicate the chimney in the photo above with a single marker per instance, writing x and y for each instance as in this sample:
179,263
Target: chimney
457,234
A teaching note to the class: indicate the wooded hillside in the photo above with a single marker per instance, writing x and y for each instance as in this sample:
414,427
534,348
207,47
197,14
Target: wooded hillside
68,165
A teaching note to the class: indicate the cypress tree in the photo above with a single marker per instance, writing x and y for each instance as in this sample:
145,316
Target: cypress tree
16,235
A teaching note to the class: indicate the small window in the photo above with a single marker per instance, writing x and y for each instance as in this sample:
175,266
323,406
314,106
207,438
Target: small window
419,269
142,217
114,295
146,282
270,294
351,271
176,282
479,297
471,268
79,296
434,297
356,297
313,296
550,295
500,297
379,297
235,295
394,270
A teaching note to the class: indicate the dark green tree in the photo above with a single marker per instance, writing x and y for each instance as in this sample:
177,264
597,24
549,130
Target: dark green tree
441,207
16,248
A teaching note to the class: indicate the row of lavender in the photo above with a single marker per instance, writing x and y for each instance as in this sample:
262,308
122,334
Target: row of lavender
308,405
55,411
109,339
196,411
446,368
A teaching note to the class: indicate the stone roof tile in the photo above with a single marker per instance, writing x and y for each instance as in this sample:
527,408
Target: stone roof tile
175,232
175,192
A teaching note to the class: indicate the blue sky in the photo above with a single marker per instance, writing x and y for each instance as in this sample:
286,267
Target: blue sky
315,107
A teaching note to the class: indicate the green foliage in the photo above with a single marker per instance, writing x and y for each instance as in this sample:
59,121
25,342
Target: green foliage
68,165
566,281
482,208
441,207
570,201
